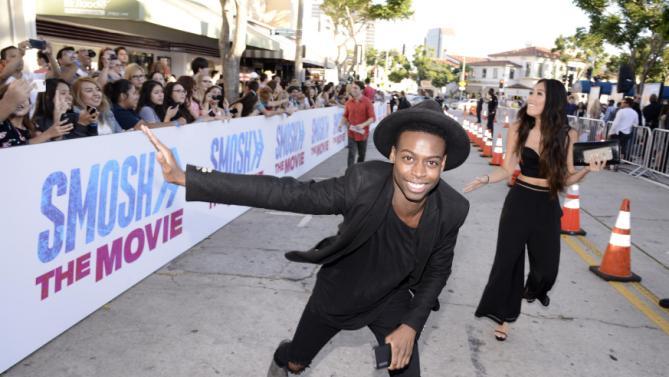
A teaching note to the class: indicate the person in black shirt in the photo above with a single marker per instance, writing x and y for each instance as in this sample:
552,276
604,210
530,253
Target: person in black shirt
398,235
651,112
479,109
492,110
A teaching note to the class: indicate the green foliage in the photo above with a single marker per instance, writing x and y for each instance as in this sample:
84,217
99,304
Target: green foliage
363,11
428,68
583,46
398,75
640,27
375,57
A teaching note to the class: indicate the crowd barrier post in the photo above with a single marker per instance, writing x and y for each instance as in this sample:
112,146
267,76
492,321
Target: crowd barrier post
658,156
638,148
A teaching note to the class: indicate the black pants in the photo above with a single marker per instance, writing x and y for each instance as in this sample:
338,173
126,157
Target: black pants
313,333
491,122
624,139
529,218
361,147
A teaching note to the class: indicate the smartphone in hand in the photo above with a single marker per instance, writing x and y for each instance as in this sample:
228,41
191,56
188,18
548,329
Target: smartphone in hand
383,356
71,118
37,44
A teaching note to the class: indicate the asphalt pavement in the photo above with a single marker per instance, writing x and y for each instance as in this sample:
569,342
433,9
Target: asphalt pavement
221,308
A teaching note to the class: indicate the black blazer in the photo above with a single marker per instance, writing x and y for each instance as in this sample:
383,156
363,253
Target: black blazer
363,196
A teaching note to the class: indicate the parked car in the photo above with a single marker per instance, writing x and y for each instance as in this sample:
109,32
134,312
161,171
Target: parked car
470,104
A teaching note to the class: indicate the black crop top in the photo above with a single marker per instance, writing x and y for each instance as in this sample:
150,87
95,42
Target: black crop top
529,163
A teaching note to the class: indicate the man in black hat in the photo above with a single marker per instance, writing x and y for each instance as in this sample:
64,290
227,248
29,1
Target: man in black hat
388,263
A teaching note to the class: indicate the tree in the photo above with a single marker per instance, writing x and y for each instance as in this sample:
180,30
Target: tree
639,27
231,50
400,66
428,68
298,42
584,46
350,17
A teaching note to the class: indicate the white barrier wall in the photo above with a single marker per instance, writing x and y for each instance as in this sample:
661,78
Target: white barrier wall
86,219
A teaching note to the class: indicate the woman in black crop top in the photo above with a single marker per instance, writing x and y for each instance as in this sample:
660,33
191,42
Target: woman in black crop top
541,142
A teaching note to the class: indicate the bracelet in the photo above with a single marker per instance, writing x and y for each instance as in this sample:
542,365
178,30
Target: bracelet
488,180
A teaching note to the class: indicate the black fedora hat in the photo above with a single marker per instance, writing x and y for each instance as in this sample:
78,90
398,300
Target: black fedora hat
427,111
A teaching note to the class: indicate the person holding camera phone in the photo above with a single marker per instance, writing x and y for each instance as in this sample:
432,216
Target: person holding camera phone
15,126
542,142
54,107
95,116
124,99
215,106
12,60
67,61
151,106
399,230
83,61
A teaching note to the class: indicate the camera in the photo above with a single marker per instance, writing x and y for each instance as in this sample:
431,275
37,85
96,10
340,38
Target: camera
71,118
37,43
91,53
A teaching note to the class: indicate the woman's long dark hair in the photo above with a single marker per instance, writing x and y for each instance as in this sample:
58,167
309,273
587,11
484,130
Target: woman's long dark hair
145,99
169,102
46,101
114,90
554,135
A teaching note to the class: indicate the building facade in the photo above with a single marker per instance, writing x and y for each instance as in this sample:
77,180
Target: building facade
437,41
515,72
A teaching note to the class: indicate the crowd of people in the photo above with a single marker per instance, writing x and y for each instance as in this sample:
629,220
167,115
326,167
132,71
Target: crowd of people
66,97
653,115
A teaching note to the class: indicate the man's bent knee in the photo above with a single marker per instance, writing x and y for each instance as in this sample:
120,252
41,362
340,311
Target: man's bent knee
295,367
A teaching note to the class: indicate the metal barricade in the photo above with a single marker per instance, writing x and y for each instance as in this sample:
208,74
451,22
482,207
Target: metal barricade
658,155
573,121
589,129
638,149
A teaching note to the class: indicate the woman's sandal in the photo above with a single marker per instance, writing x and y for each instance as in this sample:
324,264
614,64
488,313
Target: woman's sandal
500,335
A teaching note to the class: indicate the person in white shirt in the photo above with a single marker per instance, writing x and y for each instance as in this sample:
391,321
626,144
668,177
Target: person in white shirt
626,118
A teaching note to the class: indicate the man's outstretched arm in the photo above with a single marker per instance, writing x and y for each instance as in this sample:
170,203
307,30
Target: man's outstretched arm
284,194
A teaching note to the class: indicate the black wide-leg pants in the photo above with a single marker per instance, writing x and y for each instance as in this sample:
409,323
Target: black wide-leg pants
530,218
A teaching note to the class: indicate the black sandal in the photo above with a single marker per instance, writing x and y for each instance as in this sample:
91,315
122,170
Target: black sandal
500,335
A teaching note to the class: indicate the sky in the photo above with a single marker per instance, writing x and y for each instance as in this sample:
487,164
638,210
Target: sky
485,27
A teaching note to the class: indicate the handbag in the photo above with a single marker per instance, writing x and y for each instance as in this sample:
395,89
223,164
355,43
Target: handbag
597,150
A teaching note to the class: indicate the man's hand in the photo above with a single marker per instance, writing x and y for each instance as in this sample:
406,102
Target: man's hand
401,344
171,171
17,92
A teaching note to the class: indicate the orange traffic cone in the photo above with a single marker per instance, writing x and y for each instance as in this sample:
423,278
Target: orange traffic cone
616,264
512,178
487,145
570,223
479,137
497,153
506,121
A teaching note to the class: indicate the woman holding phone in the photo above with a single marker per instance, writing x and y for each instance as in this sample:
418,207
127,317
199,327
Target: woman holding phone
151,105
54,107
90,102
542,142
215,106
15,127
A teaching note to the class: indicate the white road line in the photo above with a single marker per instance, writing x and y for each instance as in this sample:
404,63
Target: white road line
283,213
305,220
